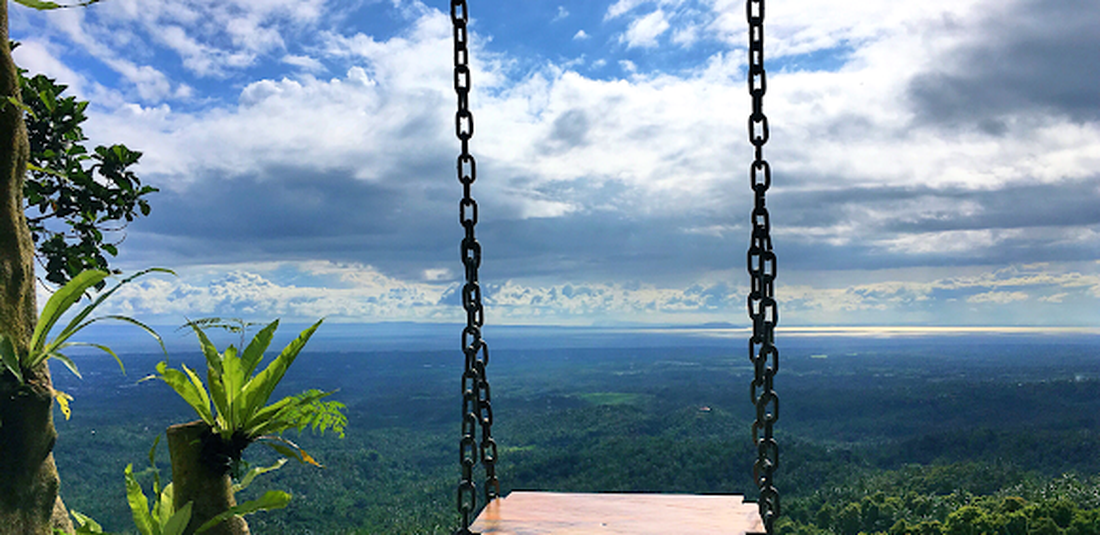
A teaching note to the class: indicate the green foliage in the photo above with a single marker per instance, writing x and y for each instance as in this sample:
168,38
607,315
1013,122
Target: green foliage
161,519
76,198
241,413
18,362
903,510
272,499
395,471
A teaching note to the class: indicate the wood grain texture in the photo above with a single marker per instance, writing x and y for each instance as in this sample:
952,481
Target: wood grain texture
538,513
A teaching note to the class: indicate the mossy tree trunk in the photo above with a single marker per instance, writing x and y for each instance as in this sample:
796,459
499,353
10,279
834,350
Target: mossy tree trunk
29,501
198,478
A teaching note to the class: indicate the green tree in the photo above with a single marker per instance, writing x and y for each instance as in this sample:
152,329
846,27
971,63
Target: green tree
29,500
76,199
849,521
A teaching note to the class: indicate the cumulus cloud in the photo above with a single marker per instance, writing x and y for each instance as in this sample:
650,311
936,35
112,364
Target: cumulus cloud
997,298
644,31
350,292
210,38
340,292
895,145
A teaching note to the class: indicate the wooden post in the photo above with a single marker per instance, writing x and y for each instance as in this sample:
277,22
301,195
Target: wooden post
207,487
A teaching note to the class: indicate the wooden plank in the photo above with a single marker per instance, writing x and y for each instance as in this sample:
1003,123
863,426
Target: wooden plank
538,513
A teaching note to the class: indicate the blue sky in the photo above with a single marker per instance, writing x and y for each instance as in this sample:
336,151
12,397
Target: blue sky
936,163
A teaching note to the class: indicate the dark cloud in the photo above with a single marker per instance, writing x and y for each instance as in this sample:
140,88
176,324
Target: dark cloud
1030,223
925,209
570,130
1029,56
304,214
403,226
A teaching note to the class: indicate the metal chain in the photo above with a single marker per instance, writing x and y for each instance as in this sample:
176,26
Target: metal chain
477,408
762,268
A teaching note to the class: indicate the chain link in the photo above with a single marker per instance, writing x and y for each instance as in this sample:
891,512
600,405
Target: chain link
763,308
477,407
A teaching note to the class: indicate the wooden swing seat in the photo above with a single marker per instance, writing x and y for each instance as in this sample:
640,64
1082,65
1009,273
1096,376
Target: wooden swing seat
537,513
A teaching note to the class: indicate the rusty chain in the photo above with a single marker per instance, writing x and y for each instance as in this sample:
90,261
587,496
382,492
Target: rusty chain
477,408
763,308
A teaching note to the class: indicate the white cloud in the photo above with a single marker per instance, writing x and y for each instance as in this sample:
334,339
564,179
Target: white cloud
1055,298
580,35
561,15
357,292
643,32
686,36
649,144
306,63
210,37
622,7
36,56
341,292
997,298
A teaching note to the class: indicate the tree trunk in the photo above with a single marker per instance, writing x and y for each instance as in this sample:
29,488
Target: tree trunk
195,480
29,501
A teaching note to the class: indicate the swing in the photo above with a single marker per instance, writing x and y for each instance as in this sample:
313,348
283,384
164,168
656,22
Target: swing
533,513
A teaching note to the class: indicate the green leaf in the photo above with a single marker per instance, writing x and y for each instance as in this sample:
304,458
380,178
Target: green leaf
77,323
299,411
85,524
139,505
163,510
260,387
232,380
19,104
101,347
65,298
153,466
254,353
51,172
213,358
178,522
189,387
38,4
10,359
142,326
67,362
272,499
289,453
153,452
290,450
59,303
254,472
194,378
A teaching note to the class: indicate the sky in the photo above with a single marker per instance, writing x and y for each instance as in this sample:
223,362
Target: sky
935,163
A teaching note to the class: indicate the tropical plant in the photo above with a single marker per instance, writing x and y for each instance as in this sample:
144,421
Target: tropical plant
163,518
42,347
241,413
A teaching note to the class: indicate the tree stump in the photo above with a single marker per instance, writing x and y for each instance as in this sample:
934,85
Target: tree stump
197,480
